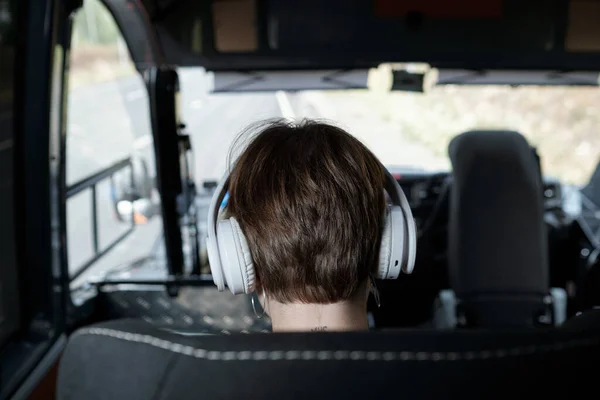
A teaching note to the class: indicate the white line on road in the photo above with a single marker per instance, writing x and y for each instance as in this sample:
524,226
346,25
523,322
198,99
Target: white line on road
142,142
284,105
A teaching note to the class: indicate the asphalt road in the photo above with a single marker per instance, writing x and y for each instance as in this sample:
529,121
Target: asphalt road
108,122
214,121
100,132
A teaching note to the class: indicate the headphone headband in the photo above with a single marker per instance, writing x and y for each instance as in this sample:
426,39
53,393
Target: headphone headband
391,186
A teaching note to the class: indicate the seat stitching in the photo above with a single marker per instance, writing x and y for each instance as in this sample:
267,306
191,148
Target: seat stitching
337,355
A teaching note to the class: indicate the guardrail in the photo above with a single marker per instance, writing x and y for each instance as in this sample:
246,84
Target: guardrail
90,183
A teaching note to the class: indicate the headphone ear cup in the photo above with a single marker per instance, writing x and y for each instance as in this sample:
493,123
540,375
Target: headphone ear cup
395,244
385,248
403,241
247,267
412,246
236,261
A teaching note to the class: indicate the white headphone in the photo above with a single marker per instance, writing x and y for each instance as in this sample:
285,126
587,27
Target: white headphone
231,262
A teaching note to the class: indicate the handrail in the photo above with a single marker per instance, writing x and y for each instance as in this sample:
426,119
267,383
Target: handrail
85,183
90,183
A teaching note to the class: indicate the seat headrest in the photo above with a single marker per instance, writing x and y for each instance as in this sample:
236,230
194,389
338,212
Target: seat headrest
497,235
133,360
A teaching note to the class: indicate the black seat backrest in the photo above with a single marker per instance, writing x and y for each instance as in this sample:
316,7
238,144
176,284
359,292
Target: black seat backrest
132,360
498,265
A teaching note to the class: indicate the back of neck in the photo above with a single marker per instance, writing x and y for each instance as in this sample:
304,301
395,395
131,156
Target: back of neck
298,317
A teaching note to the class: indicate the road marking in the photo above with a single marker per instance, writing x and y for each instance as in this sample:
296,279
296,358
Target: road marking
134,95
142,142
284,105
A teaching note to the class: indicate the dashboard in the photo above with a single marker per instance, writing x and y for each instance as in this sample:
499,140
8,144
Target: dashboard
423,189
428,194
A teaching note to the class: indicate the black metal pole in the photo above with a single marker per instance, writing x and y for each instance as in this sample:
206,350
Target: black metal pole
94,220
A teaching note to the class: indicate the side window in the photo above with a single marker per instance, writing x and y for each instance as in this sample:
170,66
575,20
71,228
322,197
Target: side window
109,150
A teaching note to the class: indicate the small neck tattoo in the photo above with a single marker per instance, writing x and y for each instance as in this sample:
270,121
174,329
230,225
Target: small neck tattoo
319,329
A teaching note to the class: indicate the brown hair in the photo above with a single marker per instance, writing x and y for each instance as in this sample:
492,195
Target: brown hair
309,198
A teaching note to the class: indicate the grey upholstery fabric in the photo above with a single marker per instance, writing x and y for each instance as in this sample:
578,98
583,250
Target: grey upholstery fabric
134,360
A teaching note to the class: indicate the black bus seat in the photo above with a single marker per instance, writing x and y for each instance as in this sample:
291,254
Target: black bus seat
446,311
498,256
584,321
130,359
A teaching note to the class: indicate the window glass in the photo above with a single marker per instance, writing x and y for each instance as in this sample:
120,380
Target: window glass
110,169
414,129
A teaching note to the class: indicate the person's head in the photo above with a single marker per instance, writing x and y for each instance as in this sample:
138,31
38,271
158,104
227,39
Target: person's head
310,200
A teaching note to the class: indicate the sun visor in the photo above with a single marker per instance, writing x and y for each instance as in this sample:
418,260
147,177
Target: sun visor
258,81
542,78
